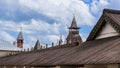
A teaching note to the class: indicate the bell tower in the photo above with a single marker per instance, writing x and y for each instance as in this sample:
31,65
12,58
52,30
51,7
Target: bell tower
20,39
73,35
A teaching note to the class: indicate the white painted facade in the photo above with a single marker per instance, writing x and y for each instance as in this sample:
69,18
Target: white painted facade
4,53
107,31
113,66
102,66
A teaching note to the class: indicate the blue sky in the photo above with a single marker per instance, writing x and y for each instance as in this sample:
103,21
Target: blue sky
49,19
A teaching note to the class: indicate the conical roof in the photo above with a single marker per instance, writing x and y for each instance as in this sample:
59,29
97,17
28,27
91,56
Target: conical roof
74,24
20,36
37,45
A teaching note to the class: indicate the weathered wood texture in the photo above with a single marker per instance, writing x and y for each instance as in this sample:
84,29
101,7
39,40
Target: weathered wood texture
101,51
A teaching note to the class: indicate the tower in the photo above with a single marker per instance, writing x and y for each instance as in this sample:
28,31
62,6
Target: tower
20,39
73,35
37,45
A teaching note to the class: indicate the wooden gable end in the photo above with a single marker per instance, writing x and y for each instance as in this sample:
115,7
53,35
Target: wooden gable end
107,31
107,26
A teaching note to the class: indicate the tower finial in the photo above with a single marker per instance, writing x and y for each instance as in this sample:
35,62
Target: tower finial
20,28
37,38
73,14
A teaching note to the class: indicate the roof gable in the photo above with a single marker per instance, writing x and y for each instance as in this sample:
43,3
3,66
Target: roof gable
107,31
109,16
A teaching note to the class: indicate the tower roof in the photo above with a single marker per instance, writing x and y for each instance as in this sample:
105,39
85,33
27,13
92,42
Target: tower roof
74,24
37,45
20,36
73,35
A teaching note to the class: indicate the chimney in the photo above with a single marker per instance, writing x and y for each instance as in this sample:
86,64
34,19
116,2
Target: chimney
52,44
46,45
28,49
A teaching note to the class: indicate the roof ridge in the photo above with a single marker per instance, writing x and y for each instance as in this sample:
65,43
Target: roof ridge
60,46
114,11
46,49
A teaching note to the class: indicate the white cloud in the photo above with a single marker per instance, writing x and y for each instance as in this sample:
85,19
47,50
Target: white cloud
32,27
8,25
97,6
114,4
31,31
6,36
52,38
61,10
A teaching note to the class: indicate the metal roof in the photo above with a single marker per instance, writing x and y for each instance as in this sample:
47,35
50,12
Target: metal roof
4,45
20,36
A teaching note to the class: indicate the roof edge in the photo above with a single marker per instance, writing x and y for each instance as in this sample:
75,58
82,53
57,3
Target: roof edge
114,11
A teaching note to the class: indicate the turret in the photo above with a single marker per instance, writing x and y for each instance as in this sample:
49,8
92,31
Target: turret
73,35
37,45
20,39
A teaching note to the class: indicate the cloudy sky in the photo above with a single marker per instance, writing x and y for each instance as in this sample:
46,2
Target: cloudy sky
49,19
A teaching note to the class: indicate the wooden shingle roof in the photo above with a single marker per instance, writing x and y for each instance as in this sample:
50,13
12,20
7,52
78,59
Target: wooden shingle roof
101,51
74,24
